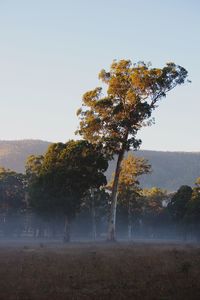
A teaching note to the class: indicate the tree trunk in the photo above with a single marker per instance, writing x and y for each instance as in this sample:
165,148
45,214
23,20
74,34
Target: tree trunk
112,217
66,238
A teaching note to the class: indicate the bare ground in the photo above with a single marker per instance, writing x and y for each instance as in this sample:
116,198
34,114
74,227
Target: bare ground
99,271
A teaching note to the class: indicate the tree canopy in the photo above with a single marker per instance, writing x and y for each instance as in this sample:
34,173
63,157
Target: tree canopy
179,203
12,194
66,173
133,91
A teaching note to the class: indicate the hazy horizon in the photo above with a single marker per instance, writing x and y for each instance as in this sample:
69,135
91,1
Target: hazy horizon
140,149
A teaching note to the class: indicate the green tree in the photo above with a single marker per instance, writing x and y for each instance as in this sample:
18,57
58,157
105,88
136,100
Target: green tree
11,189
113,120
153,204
12,198
129,187
67,172
33,166
178,204
96,202
155,196
192,216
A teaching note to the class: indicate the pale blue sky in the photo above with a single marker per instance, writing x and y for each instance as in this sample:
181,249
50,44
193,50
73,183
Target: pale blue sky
51,53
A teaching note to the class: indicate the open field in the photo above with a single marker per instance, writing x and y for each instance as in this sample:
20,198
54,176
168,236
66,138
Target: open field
99,271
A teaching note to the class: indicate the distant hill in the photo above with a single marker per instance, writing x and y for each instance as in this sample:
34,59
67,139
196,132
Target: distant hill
13,154
170,169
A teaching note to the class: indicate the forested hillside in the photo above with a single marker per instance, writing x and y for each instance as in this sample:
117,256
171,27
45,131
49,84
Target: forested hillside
170,170
13,154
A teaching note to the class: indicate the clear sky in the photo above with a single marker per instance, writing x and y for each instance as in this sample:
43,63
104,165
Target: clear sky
52,51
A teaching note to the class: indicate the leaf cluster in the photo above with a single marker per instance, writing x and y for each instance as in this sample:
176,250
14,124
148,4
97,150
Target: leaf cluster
12,194
67,171
133,91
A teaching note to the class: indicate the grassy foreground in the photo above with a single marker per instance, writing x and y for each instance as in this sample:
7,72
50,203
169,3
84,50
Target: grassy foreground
99,271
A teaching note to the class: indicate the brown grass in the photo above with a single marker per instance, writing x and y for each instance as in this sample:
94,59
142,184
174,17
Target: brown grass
99,271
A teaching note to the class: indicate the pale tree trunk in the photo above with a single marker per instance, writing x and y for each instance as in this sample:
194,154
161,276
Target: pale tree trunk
112,217
66,237
94,227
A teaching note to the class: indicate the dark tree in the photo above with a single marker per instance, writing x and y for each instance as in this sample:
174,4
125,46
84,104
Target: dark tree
178,204
12,198
67,172
192,216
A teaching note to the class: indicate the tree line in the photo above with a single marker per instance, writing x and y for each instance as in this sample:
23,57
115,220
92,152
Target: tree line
71,176
46,200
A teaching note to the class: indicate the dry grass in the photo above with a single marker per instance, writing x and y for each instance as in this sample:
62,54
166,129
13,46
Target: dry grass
99,271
